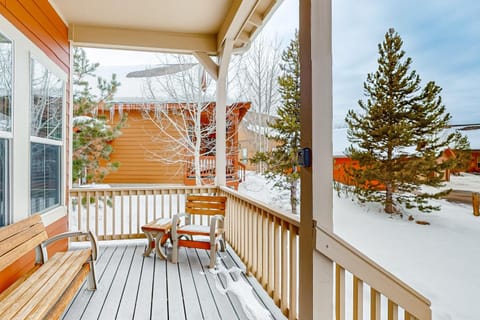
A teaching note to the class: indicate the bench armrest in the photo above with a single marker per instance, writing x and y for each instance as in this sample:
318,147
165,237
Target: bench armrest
41,251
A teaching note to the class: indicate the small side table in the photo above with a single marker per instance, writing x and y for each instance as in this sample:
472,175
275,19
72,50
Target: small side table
157,232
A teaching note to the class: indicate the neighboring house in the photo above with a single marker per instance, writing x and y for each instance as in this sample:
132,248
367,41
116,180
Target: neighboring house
472,131
341,162
252,137
141,142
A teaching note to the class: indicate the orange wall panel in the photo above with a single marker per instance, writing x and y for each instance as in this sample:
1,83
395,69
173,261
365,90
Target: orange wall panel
41,26
133,150
10,274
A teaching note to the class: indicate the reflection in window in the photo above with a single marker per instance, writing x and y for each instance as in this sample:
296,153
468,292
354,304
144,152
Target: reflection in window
47,103
6,83
45,176
46,112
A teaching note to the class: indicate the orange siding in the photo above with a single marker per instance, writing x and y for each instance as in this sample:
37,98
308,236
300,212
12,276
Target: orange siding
39,23
25,263
133,150
474,164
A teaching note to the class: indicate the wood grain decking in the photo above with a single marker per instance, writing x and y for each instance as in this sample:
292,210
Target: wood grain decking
132,286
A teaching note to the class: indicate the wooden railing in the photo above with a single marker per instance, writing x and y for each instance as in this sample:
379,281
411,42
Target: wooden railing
118,213
265,239
267,242
385,290
208,168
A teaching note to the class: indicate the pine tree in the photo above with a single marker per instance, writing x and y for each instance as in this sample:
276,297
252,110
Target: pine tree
399,135
92,135
282,161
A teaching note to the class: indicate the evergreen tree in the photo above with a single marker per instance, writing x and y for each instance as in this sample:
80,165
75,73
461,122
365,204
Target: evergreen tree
282,161
399,136
92,135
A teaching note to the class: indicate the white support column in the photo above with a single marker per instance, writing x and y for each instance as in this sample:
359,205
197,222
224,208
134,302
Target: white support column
316,271
220,114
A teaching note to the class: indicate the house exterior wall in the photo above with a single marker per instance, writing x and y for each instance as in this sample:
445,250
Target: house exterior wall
36,31
141,143
136,148
475,162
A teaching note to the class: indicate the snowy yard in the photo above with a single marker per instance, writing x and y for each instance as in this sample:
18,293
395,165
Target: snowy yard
440,260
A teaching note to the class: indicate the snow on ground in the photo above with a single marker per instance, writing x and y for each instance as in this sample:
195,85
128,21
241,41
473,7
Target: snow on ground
440,260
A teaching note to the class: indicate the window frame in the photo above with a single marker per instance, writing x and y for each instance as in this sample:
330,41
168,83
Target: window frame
48,141
8,135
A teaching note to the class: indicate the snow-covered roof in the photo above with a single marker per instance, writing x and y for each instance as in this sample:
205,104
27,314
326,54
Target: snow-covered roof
472,132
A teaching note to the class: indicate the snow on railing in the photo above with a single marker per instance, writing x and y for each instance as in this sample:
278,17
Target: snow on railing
267,242
366,278
119,212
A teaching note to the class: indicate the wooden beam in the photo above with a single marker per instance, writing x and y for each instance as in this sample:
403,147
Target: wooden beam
137,39
235,20
220,114
206,61
256,20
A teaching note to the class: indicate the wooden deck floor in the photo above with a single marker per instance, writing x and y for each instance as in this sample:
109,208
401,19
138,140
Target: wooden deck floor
131,286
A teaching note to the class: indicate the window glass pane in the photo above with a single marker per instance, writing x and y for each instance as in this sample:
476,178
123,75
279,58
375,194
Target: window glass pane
45,176
6,66
47,103
4,189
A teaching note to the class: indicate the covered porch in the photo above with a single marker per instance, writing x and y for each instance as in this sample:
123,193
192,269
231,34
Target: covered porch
306,270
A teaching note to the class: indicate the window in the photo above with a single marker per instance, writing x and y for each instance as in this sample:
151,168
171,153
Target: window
47,101
6,67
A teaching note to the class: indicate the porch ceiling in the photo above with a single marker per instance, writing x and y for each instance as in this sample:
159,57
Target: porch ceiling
164,25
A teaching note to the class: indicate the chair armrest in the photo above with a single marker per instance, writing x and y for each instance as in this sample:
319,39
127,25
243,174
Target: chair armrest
41,251
176,223
213,225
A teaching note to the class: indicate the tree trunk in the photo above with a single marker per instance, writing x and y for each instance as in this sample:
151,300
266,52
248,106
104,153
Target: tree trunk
293,196
389,208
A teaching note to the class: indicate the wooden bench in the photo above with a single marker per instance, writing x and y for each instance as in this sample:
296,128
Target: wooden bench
45,291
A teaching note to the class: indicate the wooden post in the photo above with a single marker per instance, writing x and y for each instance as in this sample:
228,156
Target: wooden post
475,203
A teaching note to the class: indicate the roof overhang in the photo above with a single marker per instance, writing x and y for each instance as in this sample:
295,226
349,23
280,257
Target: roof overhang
180,26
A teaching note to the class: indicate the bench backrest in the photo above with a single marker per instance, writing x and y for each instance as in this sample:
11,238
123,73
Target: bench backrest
19,238
206,205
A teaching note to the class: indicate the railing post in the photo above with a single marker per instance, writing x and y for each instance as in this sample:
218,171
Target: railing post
476,203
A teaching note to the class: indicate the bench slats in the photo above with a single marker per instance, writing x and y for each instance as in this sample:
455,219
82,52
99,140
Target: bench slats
6,232
205,205
20,238
21,250
33,298
57,285
68,295
5,293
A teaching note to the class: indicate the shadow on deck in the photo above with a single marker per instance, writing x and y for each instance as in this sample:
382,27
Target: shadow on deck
132,286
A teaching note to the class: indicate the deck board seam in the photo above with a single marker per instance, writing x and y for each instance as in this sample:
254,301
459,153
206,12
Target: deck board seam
138,288
126,281
111,283
195,285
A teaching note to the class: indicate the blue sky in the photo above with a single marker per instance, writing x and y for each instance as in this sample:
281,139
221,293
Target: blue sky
441,36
